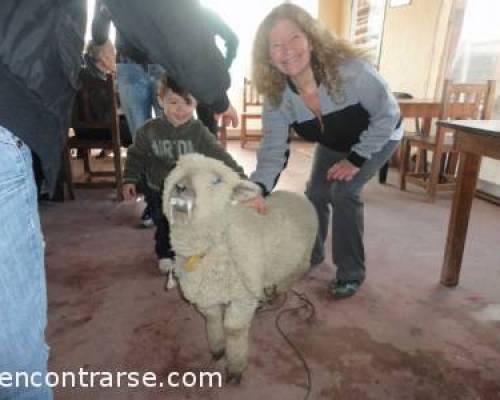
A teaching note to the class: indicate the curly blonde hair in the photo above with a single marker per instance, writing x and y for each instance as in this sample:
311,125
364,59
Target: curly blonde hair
327,52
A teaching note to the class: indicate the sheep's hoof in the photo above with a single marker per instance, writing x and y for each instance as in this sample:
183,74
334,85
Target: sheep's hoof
234,379
217,355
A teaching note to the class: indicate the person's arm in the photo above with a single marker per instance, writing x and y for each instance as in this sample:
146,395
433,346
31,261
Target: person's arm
273,152
174,34
100,23
384,115
210,147
221,29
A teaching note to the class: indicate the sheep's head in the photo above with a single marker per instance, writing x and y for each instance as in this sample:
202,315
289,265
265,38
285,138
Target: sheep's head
200,188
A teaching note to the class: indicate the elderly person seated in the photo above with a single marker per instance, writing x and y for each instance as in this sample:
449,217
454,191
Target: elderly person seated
99,61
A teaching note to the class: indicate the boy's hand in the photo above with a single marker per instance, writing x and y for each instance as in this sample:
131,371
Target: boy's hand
228,116
129,191
258,203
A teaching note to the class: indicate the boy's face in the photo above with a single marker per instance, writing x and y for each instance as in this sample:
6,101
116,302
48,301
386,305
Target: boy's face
176,108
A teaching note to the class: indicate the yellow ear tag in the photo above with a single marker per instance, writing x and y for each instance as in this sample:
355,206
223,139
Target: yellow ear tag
191,263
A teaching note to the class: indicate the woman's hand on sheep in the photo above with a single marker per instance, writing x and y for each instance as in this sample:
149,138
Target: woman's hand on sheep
129,191
344,170
258,203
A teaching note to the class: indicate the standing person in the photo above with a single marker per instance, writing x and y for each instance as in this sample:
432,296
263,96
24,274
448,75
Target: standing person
323,88
137,80
158,146
37,90
218,28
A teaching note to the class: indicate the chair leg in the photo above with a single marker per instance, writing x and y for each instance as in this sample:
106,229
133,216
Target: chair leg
451,168
404,166
86,164
382,173
68,173
433,180
243,132
118,171
223,136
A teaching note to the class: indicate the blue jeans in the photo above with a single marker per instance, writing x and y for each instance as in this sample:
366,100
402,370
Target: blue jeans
23,295
138,91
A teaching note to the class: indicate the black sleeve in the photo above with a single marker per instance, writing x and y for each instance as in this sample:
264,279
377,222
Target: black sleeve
220,28
100,23
174,34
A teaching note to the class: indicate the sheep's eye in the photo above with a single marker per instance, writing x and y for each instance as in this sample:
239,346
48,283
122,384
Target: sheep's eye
179,187
216,180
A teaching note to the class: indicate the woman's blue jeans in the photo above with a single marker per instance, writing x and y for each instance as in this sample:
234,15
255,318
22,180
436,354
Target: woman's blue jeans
23,295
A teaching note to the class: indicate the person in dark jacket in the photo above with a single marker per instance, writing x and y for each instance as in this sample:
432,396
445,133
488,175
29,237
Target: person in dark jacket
98,62
39,70
137,80
218,29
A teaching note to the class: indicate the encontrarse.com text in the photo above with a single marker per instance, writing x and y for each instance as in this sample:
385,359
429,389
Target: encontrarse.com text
96,379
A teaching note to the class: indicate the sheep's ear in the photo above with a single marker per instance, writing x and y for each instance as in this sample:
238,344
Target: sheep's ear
245,190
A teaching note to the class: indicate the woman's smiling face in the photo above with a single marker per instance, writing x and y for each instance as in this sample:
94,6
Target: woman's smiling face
289,48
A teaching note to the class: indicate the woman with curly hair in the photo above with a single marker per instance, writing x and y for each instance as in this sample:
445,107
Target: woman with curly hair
325,90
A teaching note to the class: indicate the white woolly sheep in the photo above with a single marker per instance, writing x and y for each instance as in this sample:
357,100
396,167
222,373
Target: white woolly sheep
228,255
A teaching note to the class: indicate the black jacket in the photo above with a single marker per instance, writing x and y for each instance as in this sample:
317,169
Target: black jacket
218,27
40,56
40,62
176,34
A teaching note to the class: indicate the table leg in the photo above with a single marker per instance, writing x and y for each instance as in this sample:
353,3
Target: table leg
459,218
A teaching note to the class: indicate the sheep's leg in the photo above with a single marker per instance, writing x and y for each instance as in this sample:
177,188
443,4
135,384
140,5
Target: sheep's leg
237,322
215,330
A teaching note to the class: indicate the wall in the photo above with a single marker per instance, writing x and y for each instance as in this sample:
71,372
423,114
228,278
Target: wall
413,44
336,15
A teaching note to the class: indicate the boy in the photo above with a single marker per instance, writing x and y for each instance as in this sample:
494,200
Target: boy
158,145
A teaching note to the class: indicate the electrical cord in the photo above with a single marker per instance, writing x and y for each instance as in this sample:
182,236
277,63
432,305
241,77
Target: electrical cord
307,305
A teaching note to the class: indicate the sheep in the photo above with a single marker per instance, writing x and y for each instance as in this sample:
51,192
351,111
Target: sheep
229,257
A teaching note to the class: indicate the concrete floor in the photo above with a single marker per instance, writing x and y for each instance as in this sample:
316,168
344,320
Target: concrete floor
402,337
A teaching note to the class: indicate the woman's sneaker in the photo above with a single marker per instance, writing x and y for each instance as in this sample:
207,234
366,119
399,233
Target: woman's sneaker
343,289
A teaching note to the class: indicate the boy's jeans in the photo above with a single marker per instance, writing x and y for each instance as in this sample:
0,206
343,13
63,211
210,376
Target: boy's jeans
163,247
23,296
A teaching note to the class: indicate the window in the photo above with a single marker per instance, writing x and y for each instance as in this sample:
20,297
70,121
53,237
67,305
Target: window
367,26
477,59
244,18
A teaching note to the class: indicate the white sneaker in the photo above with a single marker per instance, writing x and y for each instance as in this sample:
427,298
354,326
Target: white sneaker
146,218
166,267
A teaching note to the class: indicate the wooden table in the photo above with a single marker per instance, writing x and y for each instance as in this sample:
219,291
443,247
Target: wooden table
473,139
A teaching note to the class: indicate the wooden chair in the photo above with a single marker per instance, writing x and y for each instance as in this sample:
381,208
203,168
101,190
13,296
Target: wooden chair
82,118
252,109
459,101
396,158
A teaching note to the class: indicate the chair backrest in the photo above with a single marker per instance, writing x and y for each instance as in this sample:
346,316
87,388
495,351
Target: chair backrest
250,96
467,101
402,95
84,114
408,96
